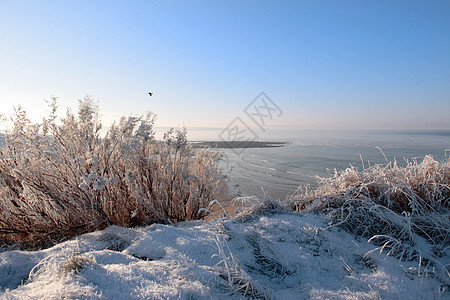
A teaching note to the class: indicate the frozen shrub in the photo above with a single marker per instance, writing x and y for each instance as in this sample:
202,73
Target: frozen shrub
396,207
74,264
61,177
248,208
386,193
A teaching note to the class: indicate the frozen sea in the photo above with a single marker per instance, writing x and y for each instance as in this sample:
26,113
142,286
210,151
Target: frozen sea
281,170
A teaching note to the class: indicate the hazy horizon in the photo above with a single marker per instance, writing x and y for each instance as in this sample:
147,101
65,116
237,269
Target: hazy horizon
325,64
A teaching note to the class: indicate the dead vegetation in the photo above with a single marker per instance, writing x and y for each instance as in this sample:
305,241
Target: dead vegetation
62,177
399,208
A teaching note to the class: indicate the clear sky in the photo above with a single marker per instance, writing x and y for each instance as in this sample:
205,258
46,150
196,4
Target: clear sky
326,64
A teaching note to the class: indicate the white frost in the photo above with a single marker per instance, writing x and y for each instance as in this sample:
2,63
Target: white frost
288,256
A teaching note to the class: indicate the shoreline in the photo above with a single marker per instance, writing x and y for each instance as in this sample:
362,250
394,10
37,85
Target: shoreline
237,144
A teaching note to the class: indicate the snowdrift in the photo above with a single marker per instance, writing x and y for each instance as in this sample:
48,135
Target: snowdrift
266,254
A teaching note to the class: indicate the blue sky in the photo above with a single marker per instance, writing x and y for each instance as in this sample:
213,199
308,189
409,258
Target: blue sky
326,64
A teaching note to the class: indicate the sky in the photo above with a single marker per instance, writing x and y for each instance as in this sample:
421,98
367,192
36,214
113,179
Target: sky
324,64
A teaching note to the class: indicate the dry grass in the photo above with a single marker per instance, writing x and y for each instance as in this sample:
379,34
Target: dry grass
249,208
396,207
61,177
74,264
238,280
418,192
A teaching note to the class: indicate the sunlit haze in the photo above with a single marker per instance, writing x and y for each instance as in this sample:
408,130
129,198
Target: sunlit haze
326,64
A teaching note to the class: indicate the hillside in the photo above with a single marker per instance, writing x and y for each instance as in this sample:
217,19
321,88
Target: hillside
263,253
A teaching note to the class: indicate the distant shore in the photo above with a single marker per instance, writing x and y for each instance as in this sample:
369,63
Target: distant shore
238,144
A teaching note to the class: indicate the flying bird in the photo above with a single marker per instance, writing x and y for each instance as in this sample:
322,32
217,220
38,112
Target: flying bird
151,94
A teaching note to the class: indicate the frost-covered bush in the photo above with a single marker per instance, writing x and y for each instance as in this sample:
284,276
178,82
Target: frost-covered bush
248,208
397,207
62,177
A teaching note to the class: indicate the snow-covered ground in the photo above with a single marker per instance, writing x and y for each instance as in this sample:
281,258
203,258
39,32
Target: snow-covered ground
279,256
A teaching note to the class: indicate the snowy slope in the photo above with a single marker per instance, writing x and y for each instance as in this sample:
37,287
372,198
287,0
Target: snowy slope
284,256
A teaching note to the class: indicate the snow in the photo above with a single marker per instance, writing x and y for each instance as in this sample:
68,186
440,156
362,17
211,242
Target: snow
280,256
